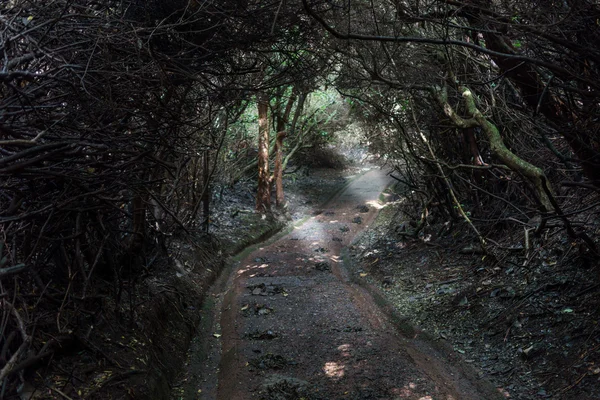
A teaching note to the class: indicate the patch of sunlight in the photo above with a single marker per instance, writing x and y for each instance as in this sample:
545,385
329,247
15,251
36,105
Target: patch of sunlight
406,391
248,268
426,398
375,204
335,221
334,370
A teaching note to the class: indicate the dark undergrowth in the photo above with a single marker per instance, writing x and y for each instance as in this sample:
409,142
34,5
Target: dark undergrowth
525,314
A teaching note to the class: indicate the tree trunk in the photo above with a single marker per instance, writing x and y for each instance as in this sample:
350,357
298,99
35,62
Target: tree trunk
278,170
580,137
263,195
282,120
292,131
534,174
473,155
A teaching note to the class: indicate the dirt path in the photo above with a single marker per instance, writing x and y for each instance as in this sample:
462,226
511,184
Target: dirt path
293,325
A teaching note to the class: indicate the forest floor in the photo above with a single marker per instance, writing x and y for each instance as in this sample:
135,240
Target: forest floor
526,319
288,321
341,306
134,347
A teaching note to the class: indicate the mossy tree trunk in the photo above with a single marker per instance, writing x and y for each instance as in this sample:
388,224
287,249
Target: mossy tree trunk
578,132
534,174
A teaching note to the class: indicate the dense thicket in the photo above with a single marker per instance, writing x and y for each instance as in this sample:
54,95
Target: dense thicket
113,115
491,108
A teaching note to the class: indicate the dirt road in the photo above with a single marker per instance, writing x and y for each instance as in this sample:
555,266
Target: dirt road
292,324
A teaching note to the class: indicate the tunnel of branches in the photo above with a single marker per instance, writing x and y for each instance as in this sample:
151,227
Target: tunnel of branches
121,119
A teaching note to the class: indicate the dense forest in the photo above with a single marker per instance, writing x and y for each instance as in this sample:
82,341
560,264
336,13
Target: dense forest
124,122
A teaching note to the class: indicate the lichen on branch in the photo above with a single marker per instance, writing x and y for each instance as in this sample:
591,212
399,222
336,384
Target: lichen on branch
534,174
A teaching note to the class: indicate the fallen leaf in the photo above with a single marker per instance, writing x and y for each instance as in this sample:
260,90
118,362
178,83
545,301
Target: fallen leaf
363,274
245,307
217,335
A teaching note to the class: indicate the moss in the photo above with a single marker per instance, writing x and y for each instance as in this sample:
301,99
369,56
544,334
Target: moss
534,174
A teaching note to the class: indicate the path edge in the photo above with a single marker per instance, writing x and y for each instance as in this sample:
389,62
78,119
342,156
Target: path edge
419,339
218,297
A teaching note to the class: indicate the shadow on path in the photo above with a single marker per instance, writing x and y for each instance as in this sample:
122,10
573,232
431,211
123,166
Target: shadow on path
294,326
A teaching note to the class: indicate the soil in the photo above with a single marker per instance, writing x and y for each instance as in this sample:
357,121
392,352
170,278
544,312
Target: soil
339,305
526,319
287,321
134,348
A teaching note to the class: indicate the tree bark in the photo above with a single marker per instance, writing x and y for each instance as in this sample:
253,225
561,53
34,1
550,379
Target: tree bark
579,135
282,120
278,170
263,195
293,125
473,155
534,174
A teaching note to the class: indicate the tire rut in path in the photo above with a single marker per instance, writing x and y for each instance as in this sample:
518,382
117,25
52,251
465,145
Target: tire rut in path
294,326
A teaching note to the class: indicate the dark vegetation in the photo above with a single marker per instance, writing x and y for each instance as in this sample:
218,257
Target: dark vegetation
120,121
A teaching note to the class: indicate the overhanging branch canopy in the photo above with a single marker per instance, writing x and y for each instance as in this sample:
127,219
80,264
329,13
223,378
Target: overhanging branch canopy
445,42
